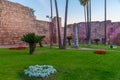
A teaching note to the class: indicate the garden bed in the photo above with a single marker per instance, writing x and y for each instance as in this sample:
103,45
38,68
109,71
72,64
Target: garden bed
18,48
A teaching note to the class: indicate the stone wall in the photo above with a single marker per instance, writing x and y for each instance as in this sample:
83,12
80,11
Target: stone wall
15,21
97,31
48,29
43,29
55,30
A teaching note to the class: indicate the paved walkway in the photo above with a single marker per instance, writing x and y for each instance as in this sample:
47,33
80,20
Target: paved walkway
6,46
92,49
9,46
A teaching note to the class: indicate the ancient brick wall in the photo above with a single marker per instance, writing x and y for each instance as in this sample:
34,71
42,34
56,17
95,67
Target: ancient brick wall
97,31
55,31
48,29
43,29
15,20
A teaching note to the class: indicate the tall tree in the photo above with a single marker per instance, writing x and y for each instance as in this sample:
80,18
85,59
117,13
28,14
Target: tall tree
89,22
65,25
84,3
58,24
105,21
87,8
51,25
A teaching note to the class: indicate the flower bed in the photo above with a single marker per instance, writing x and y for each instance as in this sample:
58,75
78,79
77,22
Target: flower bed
100,52
18,48
41,71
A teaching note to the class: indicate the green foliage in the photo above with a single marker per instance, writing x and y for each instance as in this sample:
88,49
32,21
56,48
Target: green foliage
96,40
41,38
69,37
32,11
31,38
83,2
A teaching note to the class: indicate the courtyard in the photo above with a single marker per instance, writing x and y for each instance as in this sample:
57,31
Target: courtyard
85,47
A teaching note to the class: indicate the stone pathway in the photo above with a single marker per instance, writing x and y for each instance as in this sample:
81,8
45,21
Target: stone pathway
9,46
6,46
92,49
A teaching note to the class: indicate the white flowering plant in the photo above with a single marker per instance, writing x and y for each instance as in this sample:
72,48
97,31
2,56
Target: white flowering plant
41,71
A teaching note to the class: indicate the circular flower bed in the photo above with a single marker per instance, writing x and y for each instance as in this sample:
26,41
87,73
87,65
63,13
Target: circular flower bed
40,71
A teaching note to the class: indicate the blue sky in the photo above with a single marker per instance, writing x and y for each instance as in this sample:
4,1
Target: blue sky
75,13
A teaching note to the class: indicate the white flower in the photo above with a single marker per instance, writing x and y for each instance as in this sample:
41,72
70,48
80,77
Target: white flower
40,71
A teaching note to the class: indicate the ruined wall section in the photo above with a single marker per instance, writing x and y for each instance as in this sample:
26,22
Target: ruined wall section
98,31
55,27
15,21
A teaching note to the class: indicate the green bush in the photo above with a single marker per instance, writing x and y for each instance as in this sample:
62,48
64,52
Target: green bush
69,39
41,39
96,40
31,38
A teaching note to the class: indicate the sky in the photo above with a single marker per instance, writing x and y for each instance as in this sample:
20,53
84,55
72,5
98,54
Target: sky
75,10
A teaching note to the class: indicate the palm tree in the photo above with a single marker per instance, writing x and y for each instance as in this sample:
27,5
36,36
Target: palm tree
58,24
89,22
65,25
105,22
32,39
87,5
84,3
87,12
51,25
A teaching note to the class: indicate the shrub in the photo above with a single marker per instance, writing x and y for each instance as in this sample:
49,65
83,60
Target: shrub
41,39
96,40
100,52
32,39
69,39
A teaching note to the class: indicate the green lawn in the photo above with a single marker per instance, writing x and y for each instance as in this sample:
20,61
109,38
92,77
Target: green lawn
70,64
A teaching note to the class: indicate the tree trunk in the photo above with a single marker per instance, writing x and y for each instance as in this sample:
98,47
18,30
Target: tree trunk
65,25
105,24
85,21
89,22
58,24
40,43
69,42
32,47
51,25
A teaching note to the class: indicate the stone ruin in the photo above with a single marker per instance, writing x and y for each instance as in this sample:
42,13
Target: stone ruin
17,20
97,31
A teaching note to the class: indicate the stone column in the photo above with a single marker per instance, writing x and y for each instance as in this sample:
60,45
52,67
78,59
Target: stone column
75,31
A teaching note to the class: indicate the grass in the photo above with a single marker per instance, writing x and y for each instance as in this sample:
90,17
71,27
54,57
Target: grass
70,64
